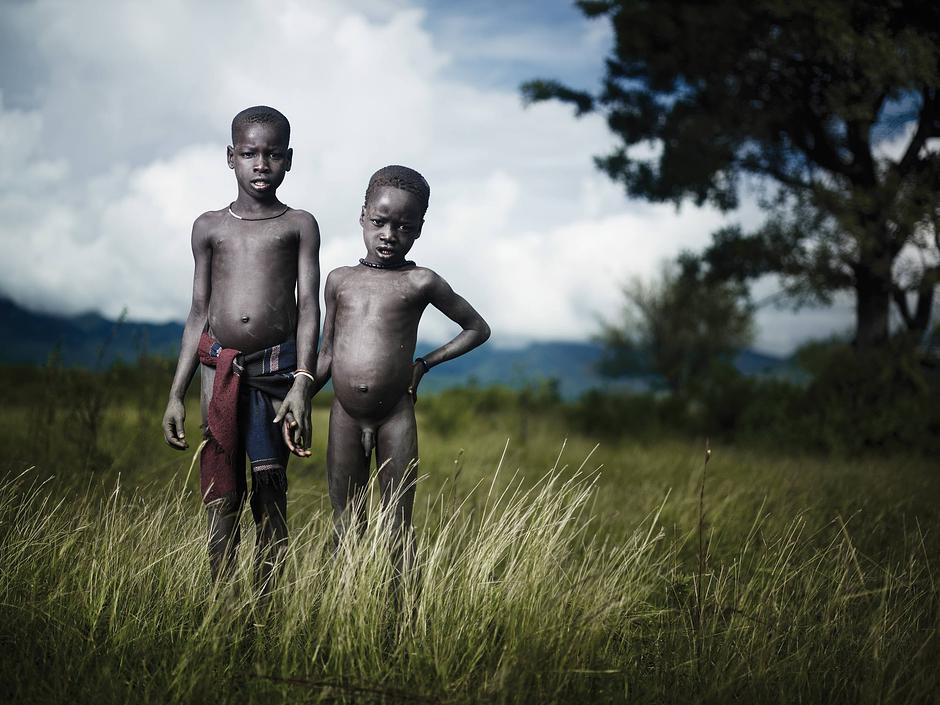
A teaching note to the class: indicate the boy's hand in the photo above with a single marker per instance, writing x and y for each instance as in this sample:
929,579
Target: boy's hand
294,412
417,372
173,419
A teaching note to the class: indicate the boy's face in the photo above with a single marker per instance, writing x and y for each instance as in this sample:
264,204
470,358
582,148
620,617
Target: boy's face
260,158
391,222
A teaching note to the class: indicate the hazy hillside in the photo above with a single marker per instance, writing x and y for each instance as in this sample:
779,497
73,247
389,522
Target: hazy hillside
90,339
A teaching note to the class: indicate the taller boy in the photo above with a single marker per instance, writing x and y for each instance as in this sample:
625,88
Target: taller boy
256,343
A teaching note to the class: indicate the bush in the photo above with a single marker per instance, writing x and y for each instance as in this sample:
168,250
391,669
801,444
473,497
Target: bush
866,400
603,413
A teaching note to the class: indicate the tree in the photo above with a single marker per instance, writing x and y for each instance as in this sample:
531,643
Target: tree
682,326
801,95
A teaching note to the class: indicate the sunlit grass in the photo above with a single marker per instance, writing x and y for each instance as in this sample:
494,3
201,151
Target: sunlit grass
548,570
531,585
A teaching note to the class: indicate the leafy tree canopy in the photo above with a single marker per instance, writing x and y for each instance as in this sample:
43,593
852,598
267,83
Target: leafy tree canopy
804,95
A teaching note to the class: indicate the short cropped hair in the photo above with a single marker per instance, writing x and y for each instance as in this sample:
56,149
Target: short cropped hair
261,115
400,177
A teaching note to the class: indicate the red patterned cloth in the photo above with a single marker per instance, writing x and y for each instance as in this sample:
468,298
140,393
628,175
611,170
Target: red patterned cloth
268,374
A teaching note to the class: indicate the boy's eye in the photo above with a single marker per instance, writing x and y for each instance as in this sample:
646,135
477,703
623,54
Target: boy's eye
376,222
248,154
404,228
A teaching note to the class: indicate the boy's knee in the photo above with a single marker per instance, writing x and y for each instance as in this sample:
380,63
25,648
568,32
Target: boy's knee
270,483
226,505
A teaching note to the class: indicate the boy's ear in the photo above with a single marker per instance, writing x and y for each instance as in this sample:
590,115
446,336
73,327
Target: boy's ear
289,157
230,156
418,231
362,214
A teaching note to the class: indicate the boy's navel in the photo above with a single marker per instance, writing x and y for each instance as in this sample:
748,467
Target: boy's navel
363,388
245,318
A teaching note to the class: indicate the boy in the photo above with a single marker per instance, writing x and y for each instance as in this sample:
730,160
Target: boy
369,336
255,341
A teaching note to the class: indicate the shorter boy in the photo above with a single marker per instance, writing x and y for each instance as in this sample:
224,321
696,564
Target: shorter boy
369,336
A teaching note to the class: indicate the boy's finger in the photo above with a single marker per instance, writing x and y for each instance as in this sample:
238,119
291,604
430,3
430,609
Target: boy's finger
169,432
174,442
306,436
283,411
285,430
300,442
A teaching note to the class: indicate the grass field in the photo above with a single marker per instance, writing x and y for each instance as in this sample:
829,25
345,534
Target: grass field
550,571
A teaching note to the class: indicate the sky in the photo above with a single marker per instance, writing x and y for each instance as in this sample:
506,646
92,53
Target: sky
114,118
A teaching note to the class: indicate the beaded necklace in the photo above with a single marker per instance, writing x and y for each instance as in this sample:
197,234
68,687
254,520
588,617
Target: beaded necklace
376,265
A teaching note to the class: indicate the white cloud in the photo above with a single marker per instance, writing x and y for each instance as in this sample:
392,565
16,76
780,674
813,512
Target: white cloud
124,147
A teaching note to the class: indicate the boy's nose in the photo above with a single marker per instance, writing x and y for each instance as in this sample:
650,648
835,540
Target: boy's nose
261,165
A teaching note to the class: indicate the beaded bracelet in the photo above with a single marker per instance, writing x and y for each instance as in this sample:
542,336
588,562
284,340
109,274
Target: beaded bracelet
424,363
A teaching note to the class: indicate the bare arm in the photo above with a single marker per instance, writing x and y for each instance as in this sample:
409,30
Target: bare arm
325,357
475,330
295,409
308,294
175,415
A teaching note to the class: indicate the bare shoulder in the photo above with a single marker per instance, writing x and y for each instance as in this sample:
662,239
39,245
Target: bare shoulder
210,219
206,224
427,280
338,276
303,218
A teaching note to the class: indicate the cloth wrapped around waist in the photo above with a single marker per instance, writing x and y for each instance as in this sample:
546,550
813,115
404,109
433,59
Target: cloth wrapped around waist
241,414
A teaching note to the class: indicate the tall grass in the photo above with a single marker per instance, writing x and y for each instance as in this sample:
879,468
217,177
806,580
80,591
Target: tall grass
518,595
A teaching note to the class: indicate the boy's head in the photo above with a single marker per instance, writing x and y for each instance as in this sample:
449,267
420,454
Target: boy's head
260,153
261,115
393,213
400,177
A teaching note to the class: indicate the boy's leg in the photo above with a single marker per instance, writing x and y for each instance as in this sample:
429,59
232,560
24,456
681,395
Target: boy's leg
268,502
396,457
224,535
347,471
222,514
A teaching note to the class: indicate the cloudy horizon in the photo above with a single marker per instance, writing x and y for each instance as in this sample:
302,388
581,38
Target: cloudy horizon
118,145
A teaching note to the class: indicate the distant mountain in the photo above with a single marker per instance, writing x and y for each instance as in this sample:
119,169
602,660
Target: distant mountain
572,364
90,340
86,340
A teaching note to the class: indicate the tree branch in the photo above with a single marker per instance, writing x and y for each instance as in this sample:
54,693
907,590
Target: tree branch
787,179
762,167
541,90
857,133
820,149
926,288
900,300
926,128
925,296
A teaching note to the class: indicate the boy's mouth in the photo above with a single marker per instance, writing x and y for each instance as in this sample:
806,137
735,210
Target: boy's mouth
385,251
261,184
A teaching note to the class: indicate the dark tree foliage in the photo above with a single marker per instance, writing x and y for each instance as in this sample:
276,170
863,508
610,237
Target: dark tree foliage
683,326
801,95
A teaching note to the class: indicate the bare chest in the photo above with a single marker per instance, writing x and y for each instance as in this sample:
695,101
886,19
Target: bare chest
247,246
377,296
